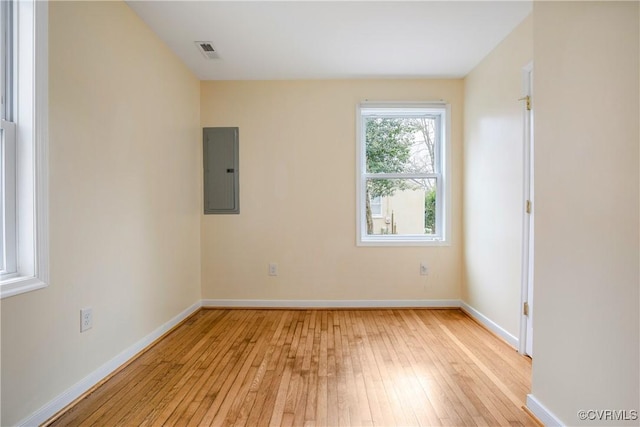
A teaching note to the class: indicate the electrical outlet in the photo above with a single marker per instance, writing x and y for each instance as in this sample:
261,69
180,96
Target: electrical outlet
86,319
273,269
424,269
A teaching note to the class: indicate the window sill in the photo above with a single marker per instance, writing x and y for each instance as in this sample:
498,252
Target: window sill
20,285
401,242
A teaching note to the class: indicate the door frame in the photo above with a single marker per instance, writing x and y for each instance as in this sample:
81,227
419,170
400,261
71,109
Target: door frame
527,222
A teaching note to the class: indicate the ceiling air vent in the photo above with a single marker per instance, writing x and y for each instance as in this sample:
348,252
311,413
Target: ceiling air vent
207,50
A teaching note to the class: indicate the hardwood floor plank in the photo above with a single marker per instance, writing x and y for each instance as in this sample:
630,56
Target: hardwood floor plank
316,368
378,359
333,405
447,367
312,376
367,404
356,408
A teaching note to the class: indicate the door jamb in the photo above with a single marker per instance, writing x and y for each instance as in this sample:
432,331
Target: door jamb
528,177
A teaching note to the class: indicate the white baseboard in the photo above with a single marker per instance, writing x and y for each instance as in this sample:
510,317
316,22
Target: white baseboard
254,303
71,394
544,415
490,324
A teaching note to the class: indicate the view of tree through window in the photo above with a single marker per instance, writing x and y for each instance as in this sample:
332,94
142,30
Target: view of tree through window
402,172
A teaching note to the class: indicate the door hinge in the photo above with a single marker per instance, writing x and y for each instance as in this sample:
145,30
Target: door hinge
527,206
525,309
527,100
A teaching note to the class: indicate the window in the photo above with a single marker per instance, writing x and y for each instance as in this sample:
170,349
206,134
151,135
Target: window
23,147
402,183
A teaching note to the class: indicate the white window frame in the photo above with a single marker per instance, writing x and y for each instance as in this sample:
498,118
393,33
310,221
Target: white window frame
8,264
30,125
443,189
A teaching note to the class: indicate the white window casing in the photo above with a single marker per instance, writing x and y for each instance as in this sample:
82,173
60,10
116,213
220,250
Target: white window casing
441,175
30,122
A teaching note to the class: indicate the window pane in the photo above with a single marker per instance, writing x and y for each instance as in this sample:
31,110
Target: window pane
408,207
7,58
401,145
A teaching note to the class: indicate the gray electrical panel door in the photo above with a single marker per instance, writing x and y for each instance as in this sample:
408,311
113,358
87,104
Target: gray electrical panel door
221,183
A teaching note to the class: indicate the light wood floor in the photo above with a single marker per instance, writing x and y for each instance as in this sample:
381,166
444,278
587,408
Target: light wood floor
317,367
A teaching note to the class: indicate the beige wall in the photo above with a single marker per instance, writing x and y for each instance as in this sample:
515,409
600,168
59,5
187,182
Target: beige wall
493,180
124,195
586,98
298,201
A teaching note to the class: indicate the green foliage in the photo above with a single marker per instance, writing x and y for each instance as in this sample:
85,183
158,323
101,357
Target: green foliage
430,211
388,144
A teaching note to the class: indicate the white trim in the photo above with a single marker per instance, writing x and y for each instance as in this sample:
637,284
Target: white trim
81,387
9,186
255,303
402,240
447,200
360,166
527,263
33,170
19,285
542,413
41,126
403,104
489,324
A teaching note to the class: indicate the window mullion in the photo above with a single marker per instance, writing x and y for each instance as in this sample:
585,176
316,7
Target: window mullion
437,145
439,207
400,175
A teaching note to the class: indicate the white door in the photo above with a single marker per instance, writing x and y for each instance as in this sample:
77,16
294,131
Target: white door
526,327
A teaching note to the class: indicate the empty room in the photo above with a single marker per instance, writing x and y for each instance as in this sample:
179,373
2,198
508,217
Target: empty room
319,213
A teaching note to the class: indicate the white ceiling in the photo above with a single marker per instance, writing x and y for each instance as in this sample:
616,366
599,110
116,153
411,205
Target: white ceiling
267,40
